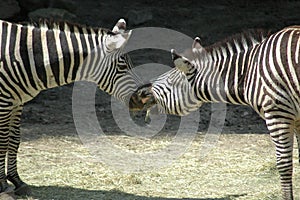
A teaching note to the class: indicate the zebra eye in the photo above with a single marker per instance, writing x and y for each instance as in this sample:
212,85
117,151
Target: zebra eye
122,63
187,62
122,66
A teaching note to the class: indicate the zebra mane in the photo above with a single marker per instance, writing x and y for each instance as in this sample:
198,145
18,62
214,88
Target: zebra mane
62,25
244,40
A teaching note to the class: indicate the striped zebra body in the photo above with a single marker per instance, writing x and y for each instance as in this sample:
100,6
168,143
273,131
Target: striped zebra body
275,73
35,58
274,91
249,69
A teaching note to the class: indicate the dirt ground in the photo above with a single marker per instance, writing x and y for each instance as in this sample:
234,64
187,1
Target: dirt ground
239,167
50,114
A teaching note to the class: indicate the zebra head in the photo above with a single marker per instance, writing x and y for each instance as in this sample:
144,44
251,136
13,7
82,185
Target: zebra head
115,75
174,91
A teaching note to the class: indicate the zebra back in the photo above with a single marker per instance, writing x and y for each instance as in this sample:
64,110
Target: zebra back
43,55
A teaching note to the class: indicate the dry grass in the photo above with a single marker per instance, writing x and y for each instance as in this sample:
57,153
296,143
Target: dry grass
239,167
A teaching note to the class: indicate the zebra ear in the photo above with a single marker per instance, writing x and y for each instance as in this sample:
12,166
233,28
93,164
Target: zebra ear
119,37
120,26
181,63
175,55
118,40
196,47
196,43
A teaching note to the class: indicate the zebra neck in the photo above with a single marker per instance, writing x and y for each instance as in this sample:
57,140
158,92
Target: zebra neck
223,67
221,77
72,56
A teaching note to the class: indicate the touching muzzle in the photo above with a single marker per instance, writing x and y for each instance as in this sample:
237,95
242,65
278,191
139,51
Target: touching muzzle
142,98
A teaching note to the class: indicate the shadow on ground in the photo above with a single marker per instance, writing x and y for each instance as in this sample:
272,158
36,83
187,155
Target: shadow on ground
70,193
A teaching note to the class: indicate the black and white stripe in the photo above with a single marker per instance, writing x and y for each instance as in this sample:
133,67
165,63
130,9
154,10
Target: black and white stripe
249,69
37,57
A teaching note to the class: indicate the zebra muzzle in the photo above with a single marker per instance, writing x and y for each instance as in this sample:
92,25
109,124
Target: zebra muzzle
142,98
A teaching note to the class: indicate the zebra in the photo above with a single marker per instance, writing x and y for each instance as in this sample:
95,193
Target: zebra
35,57
258,69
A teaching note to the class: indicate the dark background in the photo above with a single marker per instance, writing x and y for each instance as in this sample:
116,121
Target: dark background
51,111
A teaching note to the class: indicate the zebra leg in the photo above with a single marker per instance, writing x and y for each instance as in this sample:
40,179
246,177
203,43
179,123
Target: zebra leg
297,133
4,134
21,188
282,134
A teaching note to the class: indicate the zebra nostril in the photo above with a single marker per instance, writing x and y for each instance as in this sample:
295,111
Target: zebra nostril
135,103
142,98
144,94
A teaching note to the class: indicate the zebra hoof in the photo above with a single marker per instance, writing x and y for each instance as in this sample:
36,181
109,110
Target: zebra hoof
8,194
23,190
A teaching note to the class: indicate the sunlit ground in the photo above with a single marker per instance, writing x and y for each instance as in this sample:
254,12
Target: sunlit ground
238,167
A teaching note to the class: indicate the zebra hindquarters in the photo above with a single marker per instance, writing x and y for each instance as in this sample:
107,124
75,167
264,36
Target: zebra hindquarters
281,127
